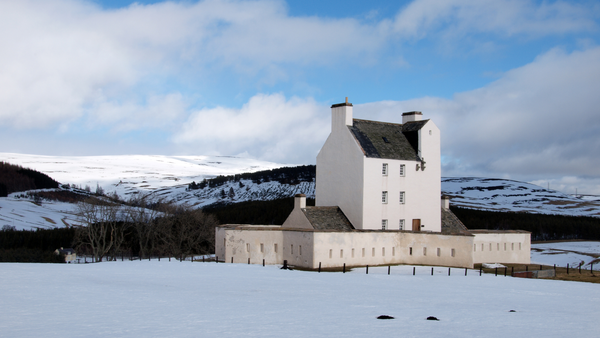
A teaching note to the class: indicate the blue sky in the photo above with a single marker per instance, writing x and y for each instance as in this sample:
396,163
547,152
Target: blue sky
511,84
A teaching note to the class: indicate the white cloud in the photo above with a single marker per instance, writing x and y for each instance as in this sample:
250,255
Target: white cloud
62,59
267,127
503,17
537,122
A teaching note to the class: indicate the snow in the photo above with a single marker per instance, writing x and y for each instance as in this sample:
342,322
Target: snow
508,195
563,253
183,299
23,214
126,174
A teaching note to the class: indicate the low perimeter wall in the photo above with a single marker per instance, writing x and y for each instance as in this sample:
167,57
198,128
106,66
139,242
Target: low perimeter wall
501,246
308,248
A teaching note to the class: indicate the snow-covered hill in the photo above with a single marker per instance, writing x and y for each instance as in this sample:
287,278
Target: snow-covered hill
168,177
507,195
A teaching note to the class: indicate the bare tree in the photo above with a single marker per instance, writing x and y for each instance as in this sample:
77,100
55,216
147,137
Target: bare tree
182,231
141,213
99,229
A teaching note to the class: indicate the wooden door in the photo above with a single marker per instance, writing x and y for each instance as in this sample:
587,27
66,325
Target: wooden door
416,226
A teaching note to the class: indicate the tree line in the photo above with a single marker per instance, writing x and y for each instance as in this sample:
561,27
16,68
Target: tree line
542,227
285,175
14,178
142,228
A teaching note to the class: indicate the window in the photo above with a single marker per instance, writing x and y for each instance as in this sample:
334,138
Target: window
402,197
402,170
300,249
393,251
474,247
384,197
342,253
384,169
330,253
384,224
292,248
482,249
352,252
410,251
363,252
401,227
262,247
490,246
424,251
439,252
247,247
519,246
497,246
504,246
373,252
275,247
512,246
452,252
383,252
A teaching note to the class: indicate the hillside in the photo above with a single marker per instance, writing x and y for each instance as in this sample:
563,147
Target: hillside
230,180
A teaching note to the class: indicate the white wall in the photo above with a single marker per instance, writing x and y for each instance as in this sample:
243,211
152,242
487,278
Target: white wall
339,180
501,247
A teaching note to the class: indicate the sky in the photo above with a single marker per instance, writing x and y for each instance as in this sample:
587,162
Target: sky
512,85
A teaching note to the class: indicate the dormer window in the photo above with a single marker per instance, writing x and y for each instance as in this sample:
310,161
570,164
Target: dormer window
384,169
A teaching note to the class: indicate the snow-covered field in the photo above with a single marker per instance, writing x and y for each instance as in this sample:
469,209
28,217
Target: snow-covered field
183,299
563,253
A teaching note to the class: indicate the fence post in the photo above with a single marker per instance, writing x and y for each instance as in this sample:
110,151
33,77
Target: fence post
541,268
389,269
512,271
159,258
414,270
567,268
231,259
216,259
149,258
580,268
319,267
480,268
248,260
554,267
505,269
367,269
263,262
344,269
432,270
465,271
449,271
496,272
526,268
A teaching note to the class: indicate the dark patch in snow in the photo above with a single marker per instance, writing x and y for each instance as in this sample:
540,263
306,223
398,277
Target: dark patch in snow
385,317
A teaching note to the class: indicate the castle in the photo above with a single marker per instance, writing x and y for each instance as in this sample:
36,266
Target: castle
378,202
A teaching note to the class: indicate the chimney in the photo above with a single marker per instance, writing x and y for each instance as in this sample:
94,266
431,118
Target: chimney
300,201
411,116
445,202
341,115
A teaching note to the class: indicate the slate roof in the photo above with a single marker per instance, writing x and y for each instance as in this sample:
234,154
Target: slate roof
327,218
388,140
451,225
